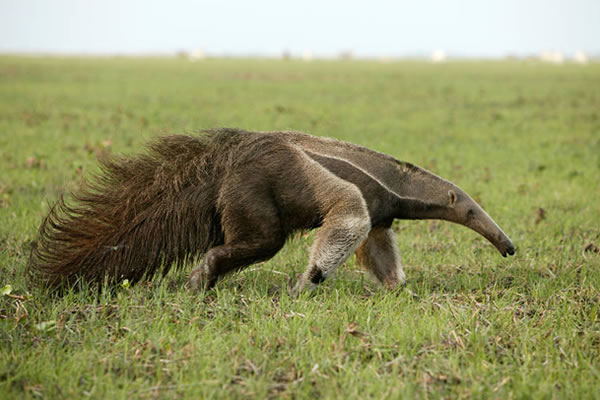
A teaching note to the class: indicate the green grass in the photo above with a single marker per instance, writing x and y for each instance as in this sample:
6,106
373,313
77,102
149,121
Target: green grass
520,137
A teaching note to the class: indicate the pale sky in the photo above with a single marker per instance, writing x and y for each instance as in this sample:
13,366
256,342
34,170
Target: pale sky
476,28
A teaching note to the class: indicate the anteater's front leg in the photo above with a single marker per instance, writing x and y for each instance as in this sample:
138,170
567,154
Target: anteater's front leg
379,254
344,228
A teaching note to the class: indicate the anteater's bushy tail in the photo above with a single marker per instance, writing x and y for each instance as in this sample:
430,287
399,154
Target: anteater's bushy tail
137,216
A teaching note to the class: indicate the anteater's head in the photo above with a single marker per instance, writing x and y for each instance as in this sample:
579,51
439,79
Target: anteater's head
463,210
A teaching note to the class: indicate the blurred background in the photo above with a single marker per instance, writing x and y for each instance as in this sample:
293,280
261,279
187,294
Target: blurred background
500,97
553,30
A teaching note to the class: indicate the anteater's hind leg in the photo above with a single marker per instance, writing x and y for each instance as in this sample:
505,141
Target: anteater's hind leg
234,255
379,254
252,233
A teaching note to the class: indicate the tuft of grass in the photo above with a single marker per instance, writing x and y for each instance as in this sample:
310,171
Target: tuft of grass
522,137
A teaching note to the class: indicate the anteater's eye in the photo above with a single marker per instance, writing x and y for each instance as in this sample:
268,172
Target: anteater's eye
470,213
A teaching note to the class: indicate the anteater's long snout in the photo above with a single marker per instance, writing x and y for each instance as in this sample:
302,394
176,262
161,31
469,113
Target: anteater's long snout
485,226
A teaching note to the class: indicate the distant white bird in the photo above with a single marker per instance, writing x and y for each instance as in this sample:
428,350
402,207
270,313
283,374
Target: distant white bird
438,56
580,57
553,57
307,55
196,55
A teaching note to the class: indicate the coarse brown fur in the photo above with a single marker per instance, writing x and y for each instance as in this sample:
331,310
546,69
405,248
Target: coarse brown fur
234,197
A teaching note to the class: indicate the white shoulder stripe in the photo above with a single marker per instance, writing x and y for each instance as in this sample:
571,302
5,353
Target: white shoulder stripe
383,185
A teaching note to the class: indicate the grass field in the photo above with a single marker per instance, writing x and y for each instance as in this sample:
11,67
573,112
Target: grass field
522,138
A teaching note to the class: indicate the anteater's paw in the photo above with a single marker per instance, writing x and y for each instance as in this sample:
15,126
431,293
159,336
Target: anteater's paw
295,290
395,282
302,285
199,279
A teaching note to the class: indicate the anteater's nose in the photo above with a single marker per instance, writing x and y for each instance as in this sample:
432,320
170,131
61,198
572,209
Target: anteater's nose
510,249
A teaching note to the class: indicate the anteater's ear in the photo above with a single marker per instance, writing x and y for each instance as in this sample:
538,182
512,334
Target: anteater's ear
451,198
